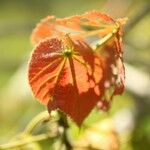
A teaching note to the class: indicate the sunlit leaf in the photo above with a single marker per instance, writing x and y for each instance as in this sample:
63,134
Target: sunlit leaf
66,77
65,72
86,25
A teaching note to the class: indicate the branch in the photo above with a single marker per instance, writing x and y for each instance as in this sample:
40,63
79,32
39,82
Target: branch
25,141
63,122
40,118
140,15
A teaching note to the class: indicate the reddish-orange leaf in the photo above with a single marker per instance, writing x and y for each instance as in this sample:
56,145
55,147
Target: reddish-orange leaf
86,25
66,76
66,73
114,71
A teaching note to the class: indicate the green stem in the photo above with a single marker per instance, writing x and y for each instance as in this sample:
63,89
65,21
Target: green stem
25,141
40,118
106,38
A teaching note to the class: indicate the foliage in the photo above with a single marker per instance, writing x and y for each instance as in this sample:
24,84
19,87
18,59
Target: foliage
66,72
130,112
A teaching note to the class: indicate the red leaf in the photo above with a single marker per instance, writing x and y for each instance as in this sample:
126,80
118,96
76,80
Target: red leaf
113,69
66,80
88,24
66,73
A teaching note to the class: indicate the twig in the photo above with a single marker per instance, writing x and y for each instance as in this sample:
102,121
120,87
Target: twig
40,118
25,141
63,122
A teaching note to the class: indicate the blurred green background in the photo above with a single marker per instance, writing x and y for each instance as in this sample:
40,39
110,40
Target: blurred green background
17,105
